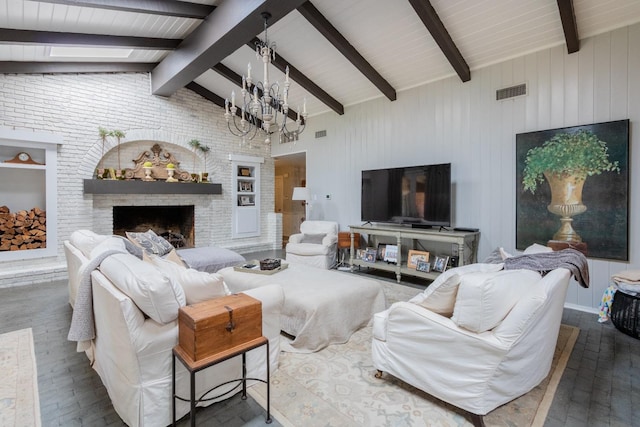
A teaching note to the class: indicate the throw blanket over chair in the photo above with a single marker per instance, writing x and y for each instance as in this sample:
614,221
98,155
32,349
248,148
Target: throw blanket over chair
315,245
477,337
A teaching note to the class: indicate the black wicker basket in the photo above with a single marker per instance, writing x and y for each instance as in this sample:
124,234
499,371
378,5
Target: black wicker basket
625,313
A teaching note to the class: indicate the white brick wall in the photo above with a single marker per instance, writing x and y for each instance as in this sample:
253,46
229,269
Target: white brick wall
75,105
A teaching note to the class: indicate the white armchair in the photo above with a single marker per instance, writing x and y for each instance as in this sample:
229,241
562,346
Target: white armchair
488,361
315,245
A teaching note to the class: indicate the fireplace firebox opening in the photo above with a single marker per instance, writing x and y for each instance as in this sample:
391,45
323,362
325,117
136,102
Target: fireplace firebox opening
174,223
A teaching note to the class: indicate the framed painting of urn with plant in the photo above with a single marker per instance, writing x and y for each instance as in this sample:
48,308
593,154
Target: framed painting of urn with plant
572,189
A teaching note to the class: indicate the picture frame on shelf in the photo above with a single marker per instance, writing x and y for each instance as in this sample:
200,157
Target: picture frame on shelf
414,256
424,266
391,254
440,263
360,253
246,201
382,249
370,255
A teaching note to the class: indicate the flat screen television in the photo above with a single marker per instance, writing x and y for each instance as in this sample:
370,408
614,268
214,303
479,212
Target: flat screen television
416,195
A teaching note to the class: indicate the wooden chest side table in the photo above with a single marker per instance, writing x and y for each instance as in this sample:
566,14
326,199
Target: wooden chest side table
195,366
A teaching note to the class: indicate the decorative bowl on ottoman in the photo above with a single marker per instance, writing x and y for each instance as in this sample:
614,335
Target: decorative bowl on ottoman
269,264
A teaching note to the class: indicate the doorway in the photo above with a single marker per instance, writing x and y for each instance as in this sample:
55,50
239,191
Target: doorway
290,172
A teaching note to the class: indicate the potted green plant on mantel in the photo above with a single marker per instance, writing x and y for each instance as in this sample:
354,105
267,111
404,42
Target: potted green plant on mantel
195,145
566,161
103,137
204,176
118,135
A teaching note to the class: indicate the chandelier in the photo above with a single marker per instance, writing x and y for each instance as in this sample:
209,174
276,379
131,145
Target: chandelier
261,103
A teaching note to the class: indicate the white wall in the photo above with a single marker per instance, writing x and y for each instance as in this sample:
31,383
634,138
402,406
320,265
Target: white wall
75,105
461,123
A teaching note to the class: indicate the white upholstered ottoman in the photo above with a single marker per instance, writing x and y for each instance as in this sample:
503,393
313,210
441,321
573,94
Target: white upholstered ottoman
321,307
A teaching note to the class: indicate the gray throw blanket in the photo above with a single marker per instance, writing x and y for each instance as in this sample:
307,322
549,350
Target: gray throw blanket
570,259
82,327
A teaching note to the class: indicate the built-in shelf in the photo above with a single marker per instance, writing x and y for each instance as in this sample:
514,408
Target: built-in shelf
107,186
245,185
27,186
21,166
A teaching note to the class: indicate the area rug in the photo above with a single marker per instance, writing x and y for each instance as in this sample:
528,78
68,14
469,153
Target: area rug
336,387
19,403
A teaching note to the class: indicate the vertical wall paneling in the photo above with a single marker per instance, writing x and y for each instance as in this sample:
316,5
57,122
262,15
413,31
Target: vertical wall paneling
618,101
585,79
462,123
570,89
602,77
556,72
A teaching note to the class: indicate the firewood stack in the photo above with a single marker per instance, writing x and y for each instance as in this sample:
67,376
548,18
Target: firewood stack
23,229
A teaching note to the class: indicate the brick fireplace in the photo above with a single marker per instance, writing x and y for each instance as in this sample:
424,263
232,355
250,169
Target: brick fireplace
186,214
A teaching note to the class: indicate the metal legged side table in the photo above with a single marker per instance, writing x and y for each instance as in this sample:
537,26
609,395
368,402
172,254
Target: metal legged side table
195,366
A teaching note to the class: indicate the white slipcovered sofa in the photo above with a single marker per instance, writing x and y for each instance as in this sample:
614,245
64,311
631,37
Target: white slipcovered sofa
476,338
316,244
134,306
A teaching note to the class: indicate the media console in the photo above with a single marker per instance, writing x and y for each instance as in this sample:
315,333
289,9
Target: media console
466,241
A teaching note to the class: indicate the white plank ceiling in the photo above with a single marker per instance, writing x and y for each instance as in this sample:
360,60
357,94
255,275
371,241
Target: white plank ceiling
387,33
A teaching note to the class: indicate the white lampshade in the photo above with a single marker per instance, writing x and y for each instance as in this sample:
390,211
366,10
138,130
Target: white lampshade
301,193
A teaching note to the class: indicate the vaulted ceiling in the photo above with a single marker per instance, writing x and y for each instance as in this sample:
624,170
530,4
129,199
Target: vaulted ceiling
340,52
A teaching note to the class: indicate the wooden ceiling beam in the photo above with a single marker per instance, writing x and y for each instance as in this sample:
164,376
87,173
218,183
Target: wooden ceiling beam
569,25
322,24
210,96
431,20
306,83
231,25
179,9
20,67
11,36
206,94
236,79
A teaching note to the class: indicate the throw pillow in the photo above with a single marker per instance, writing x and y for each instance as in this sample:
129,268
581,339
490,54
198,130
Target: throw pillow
111,243
443,298
313,238
131,248
494,257
504,254
175,258
197,285
537,249
155,294
150,242
86,240
485,299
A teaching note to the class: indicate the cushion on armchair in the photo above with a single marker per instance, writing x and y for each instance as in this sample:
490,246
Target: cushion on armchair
485,299
443,298
313,238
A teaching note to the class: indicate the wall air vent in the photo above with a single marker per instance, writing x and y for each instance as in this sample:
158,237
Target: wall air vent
321,133
511,92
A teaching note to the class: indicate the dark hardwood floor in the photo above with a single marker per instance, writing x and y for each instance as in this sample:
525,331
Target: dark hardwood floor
600,386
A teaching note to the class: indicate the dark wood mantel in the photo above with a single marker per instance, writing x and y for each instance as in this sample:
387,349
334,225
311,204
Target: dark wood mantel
108,186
